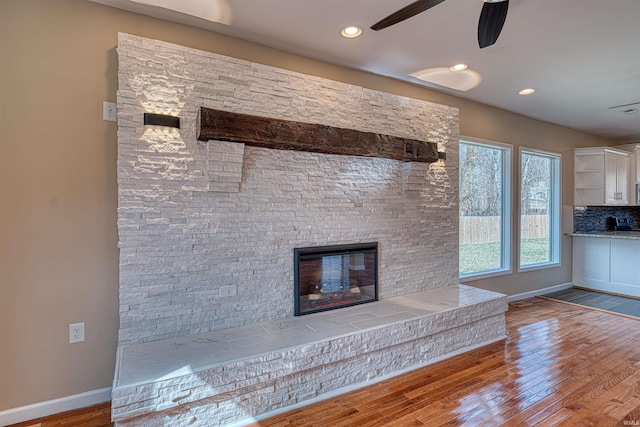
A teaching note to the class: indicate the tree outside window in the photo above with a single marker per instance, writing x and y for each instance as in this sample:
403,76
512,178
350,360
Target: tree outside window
539,208
484,208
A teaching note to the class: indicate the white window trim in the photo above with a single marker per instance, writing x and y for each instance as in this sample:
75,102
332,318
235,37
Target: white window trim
507,211
556,220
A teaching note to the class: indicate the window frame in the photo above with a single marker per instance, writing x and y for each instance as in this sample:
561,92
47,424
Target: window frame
555,226
507,210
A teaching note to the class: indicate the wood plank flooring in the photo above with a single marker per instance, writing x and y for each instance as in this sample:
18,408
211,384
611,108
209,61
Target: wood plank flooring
92,416
561,365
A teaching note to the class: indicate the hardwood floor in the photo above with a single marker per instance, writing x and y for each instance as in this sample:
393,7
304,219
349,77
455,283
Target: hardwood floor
561,365
92,416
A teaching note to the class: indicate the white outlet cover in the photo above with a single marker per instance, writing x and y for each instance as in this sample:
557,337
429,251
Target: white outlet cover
76,333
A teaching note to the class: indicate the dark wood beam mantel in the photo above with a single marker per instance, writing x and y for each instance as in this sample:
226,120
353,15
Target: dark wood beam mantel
290,135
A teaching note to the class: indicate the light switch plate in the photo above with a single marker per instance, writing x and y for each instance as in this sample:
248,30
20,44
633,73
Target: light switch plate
109,111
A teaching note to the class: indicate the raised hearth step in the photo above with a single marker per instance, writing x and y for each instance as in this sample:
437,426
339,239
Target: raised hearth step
227,376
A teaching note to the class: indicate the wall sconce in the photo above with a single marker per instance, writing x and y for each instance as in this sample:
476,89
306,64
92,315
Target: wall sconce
161,120
442,155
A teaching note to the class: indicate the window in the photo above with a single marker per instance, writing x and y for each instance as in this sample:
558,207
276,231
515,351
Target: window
485,220
539,209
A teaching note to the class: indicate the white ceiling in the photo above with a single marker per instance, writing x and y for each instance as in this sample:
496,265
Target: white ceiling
582,56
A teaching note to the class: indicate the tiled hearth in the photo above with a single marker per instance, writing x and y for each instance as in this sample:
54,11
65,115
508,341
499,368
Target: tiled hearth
234,375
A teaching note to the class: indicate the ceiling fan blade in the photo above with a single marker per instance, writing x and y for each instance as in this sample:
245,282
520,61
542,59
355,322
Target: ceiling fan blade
405,13
491,22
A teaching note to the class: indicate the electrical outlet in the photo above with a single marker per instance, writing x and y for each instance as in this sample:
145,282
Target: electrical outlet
228,291
76,332
109,111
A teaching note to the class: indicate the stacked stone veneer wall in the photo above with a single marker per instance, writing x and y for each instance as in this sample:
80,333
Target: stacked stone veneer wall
197,217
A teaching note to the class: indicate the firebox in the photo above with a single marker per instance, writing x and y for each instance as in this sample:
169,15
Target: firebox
331,277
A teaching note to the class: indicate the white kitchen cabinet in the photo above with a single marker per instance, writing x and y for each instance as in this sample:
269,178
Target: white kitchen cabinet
616,179
591,262
601,176
634,183
624,263
607,264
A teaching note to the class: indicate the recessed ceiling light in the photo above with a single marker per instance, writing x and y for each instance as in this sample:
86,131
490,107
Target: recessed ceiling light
459,67
351,32
527,91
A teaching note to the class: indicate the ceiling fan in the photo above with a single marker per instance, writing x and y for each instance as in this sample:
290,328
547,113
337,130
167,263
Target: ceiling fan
492,17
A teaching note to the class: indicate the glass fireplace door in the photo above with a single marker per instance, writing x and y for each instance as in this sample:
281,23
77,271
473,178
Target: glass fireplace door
335,276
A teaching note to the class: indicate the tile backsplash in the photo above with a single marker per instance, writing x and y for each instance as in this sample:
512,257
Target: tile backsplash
597,218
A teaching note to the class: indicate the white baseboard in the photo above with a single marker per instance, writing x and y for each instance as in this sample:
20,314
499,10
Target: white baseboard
55,406
537,292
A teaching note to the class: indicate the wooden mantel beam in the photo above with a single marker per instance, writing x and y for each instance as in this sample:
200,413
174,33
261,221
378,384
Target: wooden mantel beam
289,135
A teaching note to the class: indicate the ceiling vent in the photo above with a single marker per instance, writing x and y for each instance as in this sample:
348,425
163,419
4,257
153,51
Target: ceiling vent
633,108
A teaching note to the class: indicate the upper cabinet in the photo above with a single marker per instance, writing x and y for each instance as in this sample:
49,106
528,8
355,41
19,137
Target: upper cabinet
634,184
616,179
601,176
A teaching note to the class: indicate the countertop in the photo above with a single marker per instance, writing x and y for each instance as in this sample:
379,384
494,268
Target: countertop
633,235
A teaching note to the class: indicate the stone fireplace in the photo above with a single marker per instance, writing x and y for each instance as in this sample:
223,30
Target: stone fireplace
205,227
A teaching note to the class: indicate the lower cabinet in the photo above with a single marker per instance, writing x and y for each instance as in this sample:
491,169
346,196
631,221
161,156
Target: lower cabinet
607,264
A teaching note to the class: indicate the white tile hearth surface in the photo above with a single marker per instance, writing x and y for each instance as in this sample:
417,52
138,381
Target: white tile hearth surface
161,360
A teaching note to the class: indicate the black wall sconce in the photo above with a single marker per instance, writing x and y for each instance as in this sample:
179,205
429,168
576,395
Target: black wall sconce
442,155
161,120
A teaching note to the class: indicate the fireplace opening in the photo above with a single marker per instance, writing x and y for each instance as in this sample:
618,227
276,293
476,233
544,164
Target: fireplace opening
330,277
